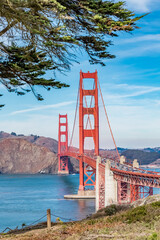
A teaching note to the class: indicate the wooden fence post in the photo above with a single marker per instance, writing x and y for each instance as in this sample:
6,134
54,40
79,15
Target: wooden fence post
48,218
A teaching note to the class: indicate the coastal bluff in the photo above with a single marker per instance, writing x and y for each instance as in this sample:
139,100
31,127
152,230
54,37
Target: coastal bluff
21,156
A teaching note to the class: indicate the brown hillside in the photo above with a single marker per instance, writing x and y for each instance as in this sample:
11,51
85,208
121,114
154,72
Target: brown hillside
20,156
50,143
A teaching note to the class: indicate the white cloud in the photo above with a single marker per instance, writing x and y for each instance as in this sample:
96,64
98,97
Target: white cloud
143,50
137,90
122,91
57,105
139,5
37,124
157,102
134,121
134,126
142,5
147,37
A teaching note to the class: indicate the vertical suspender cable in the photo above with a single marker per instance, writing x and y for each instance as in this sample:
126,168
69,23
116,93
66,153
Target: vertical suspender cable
75,117
108,121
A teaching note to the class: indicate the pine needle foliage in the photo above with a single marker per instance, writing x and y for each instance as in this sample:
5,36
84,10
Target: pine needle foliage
39,36
25,65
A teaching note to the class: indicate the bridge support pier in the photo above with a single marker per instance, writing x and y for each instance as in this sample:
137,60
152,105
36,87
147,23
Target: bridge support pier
97,183
81,175
106,186
110,186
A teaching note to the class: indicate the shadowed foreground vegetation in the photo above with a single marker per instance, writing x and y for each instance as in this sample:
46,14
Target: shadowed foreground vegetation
113,222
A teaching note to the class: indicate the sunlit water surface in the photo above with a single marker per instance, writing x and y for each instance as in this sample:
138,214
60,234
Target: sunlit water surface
25,198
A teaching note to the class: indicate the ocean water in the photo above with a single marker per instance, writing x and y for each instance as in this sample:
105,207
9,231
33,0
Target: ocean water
25,198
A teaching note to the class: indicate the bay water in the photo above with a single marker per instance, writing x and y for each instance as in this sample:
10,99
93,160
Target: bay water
25,199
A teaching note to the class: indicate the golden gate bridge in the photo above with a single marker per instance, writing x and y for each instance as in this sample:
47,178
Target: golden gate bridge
113,179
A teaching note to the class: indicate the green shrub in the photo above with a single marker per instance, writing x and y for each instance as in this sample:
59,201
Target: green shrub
23,225
91,222
58,220
137,214
155,204
154,236
111,210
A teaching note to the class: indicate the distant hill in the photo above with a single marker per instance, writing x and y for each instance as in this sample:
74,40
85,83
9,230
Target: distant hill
145,156
20,156
50,143
157,149
30,154
121,150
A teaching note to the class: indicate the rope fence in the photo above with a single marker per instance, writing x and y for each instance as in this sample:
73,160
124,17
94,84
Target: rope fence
48,215
69,219
36,221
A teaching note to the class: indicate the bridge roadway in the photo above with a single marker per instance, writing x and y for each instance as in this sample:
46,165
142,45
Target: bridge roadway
122,172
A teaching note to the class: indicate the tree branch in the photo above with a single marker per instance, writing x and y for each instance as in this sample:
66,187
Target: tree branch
8,27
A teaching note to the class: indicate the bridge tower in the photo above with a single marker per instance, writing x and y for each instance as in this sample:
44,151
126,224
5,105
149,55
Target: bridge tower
63,145
84,133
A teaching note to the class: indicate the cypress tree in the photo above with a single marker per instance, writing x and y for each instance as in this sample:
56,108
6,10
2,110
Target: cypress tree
42,36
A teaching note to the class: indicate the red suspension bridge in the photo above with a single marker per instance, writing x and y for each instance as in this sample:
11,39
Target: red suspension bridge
114,180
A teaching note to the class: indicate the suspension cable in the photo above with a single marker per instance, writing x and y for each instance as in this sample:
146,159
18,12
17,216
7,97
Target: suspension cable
75,116
108,120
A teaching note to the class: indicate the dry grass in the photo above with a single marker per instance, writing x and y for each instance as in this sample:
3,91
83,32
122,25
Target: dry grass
141,223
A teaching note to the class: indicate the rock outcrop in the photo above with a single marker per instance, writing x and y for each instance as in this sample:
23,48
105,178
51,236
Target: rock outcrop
147,200
30,154
20,156
50,143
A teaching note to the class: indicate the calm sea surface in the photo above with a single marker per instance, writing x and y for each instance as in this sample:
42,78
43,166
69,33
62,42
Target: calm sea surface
25,198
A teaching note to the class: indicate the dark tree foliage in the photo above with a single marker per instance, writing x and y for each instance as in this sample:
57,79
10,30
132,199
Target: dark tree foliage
39,36
25,65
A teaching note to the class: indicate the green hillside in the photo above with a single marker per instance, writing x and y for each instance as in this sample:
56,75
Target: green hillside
142,156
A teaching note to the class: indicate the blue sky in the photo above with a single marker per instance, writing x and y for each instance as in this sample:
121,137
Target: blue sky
130,85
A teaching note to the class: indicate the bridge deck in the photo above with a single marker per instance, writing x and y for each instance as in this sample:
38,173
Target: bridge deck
122,172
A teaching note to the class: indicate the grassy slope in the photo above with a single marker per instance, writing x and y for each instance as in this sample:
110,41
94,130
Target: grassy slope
113,222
